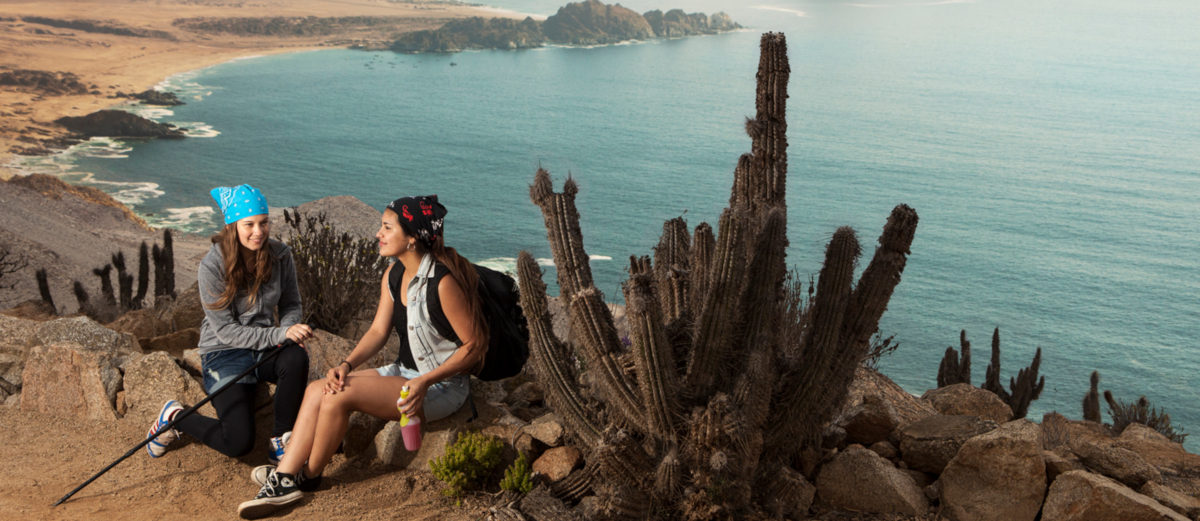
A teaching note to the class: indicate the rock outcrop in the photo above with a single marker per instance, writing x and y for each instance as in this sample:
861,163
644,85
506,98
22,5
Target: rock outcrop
966,399
88,334
44,82
675,23
996,475
1083,496
860,480
929,445
474,33
1118,463
157,97
155,378
117,123
594,23
67,379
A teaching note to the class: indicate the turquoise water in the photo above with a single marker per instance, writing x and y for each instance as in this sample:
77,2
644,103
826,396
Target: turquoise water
1052,151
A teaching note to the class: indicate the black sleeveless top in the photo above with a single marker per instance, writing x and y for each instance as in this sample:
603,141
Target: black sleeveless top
400,311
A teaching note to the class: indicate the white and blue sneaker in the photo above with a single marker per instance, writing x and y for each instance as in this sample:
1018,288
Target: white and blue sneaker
158,446
278,446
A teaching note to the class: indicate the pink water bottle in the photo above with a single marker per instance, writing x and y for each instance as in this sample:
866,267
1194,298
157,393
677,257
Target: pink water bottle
410,428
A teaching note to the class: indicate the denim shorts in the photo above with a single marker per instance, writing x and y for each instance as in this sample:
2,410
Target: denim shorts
220,367
443,398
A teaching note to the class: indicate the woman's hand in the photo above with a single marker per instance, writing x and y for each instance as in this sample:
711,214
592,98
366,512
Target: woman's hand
411,406
335,379
299,333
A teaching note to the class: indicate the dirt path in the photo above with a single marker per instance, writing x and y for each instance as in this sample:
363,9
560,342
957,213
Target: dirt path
45,457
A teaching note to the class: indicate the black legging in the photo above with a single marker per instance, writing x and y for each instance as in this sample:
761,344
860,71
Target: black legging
232,433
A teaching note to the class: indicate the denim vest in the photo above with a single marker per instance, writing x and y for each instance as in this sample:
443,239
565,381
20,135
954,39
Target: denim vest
429,349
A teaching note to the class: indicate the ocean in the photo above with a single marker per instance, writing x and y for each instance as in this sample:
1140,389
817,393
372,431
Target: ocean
1051,149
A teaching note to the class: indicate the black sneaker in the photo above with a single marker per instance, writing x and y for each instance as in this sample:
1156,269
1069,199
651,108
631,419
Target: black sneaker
280,491
262,473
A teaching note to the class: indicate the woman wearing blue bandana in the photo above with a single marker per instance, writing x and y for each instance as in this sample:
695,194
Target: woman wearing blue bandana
429,284
244,277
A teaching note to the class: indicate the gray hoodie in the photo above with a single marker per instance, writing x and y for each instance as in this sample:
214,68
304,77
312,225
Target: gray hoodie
242,326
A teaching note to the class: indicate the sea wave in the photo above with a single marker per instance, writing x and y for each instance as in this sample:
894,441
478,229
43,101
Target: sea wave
128,193
781,9
509,264
193,219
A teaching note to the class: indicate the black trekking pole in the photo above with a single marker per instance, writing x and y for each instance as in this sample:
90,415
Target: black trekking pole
271,354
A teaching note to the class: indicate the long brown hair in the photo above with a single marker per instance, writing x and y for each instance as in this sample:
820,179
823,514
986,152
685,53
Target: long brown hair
236,273
465,276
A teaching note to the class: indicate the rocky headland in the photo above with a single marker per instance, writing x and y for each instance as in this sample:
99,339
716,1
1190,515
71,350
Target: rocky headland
118,123
585,23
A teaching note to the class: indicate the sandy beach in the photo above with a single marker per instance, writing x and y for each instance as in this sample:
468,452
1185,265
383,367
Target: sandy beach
161,46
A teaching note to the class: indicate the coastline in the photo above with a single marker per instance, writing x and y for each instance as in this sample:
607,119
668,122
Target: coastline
111,63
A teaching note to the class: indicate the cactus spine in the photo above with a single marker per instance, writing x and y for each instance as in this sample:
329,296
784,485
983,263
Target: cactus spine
731,372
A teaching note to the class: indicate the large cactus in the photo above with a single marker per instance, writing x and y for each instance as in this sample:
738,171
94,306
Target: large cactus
728,376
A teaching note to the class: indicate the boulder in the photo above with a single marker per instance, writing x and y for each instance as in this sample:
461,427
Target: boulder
141,323
872,420
388,446
858,479
1118,463
187,311
1138,431
996,475
922,479
1172,499
1057,465
1082,496
325,350
529,446
528,393
968,400
929,444
1180,470
11,367
884,449
174,344
557,463
362,432
191,361
88,334
16,333
787,494
152,380
66,379
35,310
547,429
868,381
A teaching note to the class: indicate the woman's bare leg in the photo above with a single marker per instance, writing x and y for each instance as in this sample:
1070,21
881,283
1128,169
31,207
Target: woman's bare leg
304,429
369,393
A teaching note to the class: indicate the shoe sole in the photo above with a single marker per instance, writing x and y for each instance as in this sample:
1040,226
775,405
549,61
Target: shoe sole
257,508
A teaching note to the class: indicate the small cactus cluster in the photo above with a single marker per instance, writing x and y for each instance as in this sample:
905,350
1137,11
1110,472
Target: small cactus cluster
1124,414
730,373
1026,387
517,476
114,302
955,370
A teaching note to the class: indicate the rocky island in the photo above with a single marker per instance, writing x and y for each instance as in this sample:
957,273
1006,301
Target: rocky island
583,23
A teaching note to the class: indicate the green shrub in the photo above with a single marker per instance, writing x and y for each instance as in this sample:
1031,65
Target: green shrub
338,274
467,462
516,477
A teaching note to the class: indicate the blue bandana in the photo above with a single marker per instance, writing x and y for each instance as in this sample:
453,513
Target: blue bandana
239,202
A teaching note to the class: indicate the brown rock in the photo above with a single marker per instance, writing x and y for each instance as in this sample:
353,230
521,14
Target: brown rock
1082,496
152,380
860,480
141,323
868,381
388,445
326,350
968,400
529,446
1118,463
528,393
88,334
1057,465
922,479
996,475
187,311
558,462
191,361
1137,431
547,429
870,421
929,444
16,333
1172,499
884,449
11,367
175,343
35,310
787,494
362,432
122,406
65,379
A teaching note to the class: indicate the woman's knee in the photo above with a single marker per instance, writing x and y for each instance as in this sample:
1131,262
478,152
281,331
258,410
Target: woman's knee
293,361
238,445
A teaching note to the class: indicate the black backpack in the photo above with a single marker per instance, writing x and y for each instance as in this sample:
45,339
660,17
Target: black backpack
508,345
